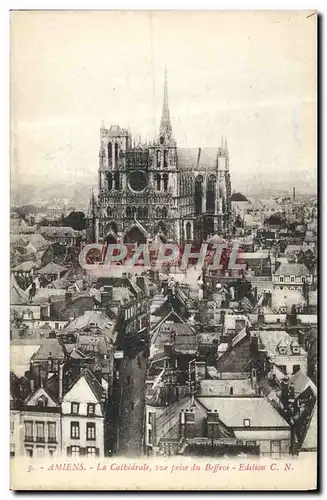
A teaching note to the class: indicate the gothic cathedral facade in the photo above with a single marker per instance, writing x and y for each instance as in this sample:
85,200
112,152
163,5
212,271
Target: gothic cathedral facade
157,191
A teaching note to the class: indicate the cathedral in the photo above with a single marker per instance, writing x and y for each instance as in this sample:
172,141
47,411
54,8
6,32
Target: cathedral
157,191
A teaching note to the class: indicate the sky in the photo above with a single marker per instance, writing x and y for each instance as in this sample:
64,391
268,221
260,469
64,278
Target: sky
249,76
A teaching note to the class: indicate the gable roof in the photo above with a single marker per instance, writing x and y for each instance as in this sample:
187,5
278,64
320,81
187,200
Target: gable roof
50,348
92,382
301,382
310,440
17,295
292,269
41,391
52,268
234,410
271,339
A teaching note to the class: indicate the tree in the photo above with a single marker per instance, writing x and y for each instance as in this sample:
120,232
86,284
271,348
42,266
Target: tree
76,220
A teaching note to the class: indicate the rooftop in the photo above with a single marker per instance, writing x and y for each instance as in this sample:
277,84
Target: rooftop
233,411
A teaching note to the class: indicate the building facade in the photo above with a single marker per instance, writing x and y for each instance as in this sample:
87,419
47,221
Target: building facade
156,190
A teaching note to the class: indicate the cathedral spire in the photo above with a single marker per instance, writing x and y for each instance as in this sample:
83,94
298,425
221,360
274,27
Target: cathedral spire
165,130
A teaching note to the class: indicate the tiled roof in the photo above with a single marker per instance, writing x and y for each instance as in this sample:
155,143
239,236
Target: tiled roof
92,318
60,232
94,384
301,382
50,348
25,266
222,387
234,410
271,339
310,441
292,269
52,268
282,298
17,295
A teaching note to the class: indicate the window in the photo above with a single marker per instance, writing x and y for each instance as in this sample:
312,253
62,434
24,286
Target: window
150,418
90,431
246,422
39,431
12,426
231,391
28,431
29,452
281,279
51,432
51,452
75,408
74,430
75,451
91,409
41,402
91,451
292,279
55,365
296,368
150,436
303,279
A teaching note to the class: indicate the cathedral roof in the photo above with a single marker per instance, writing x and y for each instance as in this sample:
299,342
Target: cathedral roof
197,158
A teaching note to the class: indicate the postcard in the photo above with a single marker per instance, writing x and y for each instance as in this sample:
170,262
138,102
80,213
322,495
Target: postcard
163,250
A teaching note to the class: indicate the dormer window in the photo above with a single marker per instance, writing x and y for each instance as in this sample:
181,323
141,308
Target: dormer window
303,279
246,422
295,347
292,279
281,279
282,348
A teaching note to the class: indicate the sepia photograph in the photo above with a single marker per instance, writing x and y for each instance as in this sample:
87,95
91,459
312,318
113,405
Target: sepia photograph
163,250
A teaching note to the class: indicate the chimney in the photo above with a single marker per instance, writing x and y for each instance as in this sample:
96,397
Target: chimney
68,298
213,424
189,423
294,194
61,380
222,317
254,345
261,319
267,299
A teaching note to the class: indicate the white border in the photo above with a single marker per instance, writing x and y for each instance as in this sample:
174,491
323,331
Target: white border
5,6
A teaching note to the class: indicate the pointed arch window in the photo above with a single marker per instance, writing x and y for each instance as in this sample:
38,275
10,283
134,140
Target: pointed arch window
158,181
165,158
165,182
140,213
109,212
164,213
109,181
158,213
145,213
110,151
133,211
117,181
116,152
158,158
